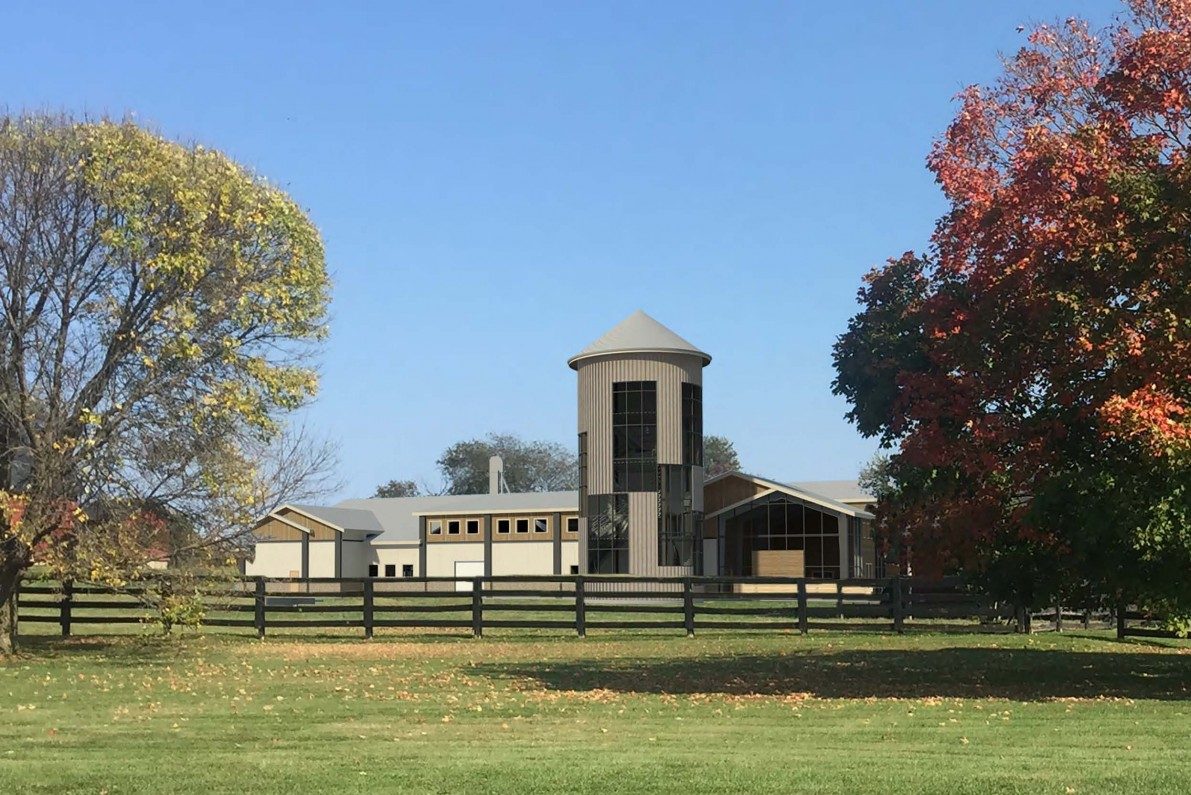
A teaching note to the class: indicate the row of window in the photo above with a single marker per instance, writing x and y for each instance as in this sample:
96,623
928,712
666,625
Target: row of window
407,570
523,526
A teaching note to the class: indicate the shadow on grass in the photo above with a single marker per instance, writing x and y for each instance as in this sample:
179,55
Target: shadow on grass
1016,674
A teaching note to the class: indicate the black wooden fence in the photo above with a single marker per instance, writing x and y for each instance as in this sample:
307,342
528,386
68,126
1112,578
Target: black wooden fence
576,603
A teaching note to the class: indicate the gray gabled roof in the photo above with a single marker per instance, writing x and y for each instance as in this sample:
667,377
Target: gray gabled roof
343,518
398,516
840,490
638,333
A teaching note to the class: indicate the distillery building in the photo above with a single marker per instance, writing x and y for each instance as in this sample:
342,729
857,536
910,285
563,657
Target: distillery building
644,505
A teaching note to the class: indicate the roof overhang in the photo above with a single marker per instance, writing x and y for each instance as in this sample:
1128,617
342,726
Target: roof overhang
573,362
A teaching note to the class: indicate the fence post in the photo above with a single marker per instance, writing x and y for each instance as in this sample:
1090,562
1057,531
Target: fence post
260,607
897,605
64,606
839,598
802,605
688,607
580,608
368,616
477,607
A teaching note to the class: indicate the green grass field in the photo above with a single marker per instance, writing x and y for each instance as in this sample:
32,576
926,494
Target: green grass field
616,712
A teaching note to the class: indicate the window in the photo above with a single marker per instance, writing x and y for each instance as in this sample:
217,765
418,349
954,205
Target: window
583,471
502,526
692,425
572,524
435,527
522,525
541,525
373,570
608,534
574,569
390,569
473,527
634,436
680,527
453,527
407,570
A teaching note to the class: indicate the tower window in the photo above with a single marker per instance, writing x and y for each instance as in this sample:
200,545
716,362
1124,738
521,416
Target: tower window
692,425
608,534
680,527
634,436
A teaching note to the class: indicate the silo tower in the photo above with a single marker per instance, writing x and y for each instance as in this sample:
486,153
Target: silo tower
640,451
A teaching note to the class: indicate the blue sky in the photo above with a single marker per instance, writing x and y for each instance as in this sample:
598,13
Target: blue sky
498,183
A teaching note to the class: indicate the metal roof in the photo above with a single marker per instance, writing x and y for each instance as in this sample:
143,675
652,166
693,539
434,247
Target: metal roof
638,333
343,518
840,490
398,516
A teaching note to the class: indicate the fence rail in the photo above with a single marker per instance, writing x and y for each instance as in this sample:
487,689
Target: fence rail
577,603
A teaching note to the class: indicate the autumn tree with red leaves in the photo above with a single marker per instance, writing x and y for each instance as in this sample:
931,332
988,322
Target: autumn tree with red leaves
1032,371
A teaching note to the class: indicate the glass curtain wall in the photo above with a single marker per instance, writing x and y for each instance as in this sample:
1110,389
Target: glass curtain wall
680,541
608,534
634,436
780,522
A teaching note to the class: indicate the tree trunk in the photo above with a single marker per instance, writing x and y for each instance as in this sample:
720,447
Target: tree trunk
10,580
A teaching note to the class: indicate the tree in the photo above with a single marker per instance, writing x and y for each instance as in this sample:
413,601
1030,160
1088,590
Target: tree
719,456
1042,345
160,309
398,488
528,466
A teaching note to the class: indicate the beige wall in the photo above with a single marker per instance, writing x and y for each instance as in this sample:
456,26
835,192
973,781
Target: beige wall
526,558
441,558
396,556
570,556
275,559
322,559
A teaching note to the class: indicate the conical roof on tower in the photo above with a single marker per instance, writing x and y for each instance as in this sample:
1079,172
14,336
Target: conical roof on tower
638,333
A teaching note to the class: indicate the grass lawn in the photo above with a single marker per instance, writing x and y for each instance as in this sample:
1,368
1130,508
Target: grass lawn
520,712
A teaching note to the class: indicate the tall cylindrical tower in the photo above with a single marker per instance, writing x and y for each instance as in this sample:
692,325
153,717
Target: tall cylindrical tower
640,451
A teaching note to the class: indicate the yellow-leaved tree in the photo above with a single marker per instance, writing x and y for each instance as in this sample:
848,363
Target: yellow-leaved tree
161,306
